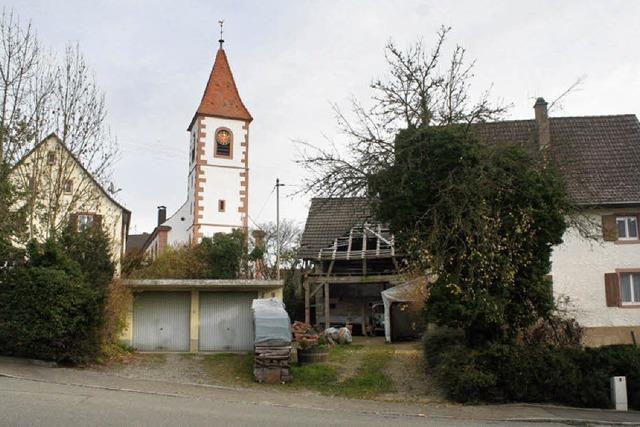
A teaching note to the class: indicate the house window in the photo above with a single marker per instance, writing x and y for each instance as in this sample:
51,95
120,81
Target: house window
85,221
51,158
630,288
68,186
627,227
224,142
221,205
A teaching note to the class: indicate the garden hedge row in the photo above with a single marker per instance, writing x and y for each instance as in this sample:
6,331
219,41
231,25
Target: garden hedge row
517,373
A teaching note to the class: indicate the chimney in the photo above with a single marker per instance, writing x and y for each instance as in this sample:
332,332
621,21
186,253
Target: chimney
542,121
162,215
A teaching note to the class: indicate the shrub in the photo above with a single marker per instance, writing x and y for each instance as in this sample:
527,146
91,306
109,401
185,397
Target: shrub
53,305
502,372
115,310
183,262
217,257
91,249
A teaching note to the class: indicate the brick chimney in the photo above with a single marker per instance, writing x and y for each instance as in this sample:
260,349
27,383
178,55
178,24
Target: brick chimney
542,122
162,215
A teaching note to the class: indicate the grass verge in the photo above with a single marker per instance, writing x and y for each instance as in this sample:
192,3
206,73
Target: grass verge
230,368
368,380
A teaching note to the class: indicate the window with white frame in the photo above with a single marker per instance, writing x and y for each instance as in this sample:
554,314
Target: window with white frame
85,221
627,227
630,288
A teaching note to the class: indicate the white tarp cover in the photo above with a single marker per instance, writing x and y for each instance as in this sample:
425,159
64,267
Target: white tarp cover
411,291
271,322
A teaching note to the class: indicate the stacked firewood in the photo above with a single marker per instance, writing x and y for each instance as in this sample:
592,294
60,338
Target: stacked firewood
272,363
304,333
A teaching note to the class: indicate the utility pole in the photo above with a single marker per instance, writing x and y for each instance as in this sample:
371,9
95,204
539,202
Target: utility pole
278,185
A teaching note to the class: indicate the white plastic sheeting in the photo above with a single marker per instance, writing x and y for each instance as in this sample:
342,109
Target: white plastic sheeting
411,291
271,322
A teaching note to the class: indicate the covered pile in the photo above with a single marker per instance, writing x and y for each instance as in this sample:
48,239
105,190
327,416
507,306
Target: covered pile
272,341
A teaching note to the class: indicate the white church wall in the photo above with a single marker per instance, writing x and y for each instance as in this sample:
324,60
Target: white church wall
238,133
180,223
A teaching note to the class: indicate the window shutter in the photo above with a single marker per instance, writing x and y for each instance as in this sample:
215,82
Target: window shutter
609,228
97,222
612,289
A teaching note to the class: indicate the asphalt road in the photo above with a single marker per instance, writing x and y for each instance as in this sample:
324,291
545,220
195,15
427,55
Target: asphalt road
34,403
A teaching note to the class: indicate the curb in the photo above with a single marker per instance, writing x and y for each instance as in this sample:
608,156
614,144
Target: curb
35,362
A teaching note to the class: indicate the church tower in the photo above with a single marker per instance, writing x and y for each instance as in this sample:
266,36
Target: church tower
218,195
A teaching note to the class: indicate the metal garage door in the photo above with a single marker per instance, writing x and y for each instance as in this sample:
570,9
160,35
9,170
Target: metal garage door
226,322
161,321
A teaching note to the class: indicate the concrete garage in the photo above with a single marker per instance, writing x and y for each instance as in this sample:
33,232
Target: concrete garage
226,322
161,321
194,315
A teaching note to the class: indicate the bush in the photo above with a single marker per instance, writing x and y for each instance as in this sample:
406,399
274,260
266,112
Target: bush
53,305
516,373
48,313
217,257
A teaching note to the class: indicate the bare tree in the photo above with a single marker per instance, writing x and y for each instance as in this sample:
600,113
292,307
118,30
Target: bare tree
290,234
19,62
416,92
40,95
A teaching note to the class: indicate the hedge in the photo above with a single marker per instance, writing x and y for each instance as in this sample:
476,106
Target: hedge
516,373
46,313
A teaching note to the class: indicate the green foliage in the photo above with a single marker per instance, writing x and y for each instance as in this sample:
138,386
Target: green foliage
91,249
292,295
482,219
11,220
223,254
183,262
521,373
217,257
52,306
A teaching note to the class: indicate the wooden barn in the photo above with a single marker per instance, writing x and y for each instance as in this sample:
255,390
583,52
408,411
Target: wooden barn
350,259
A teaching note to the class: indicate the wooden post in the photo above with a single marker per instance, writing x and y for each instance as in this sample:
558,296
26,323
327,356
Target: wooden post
364,321
327,312
307,304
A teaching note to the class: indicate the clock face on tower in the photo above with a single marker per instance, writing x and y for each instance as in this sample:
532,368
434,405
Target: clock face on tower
223,137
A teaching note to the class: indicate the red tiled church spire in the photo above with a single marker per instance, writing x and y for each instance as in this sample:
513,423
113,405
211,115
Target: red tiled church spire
221,97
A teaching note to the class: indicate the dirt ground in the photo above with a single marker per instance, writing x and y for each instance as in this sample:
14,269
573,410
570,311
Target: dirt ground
408,371
405,369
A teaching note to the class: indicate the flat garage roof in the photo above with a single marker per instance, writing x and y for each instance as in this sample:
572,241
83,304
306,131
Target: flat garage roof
176,284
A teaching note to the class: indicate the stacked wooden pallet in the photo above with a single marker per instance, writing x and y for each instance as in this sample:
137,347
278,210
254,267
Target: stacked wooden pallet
272,363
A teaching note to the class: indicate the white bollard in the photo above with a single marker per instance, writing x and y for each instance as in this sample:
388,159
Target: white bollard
619,393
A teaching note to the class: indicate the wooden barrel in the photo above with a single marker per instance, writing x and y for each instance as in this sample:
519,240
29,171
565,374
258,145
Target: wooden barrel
313,355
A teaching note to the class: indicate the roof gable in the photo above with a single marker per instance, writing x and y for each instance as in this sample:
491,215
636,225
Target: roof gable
58,141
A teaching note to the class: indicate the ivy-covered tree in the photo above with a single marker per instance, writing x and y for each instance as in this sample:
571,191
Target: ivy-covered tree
482,220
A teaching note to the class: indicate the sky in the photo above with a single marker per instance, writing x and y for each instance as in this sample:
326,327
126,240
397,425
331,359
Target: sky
293,59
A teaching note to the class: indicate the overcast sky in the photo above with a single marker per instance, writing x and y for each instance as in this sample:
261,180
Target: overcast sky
292,59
